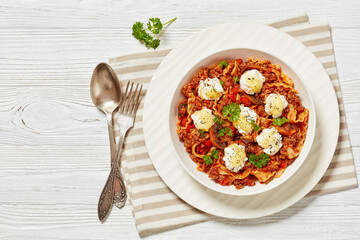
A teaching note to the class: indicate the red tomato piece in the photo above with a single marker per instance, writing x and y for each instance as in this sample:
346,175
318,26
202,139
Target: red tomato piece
235,89
189,127
208,144
245,101
224,182
283,164
240,61
232,97
184,121
201,150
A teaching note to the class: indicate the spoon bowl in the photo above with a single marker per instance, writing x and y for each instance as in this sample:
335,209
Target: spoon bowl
105,88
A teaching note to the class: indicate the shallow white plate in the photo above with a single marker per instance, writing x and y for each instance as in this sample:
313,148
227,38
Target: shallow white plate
246,36
184,157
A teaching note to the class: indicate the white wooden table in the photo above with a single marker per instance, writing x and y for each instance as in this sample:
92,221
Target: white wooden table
54,153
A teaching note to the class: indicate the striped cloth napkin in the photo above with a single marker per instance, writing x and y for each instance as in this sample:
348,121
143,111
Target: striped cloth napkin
154,206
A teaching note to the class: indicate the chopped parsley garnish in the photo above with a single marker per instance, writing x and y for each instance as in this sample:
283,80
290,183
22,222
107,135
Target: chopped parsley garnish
223,63
154,26
207,159
259,161
202,134
233,110
222,83
218,120
236,79
280,121
256,127
215,154
222,132
228,131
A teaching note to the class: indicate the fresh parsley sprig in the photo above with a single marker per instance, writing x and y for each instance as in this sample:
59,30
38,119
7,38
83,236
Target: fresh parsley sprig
209,159
154,26
218,120
259,161
202,133
256,127
223,63
280,121
233,110
215,154
228,131
236,79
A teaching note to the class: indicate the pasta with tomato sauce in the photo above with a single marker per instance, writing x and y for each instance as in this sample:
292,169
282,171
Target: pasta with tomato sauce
242,121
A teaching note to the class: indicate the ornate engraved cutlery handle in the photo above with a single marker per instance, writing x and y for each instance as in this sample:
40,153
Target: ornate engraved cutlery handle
120,191
119,187
107,195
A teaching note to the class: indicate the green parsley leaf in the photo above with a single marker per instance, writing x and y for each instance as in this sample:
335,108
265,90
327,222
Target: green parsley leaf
222,132
154,26
253,123
218,120
236,79
222,83
223,63
256,127
215,154
227,131
259,161
233,110
153,44
202,134
138,31
207,159
264,159
280,121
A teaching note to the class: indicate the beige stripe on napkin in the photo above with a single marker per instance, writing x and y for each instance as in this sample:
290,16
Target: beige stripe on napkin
154,206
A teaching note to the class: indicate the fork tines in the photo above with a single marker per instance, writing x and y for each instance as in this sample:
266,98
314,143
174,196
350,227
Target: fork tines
131,99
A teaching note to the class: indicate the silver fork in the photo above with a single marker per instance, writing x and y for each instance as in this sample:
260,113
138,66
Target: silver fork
127,109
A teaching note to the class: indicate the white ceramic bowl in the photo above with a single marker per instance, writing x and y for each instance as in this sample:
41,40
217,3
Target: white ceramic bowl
179,148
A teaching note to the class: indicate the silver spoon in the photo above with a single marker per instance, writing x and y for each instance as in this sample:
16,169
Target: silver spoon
106,95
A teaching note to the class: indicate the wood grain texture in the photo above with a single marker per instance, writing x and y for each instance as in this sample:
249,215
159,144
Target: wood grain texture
54,150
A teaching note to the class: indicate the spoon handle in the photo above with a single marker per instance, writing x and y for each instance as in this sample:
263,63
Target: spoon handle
118,183
106,199
111,135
